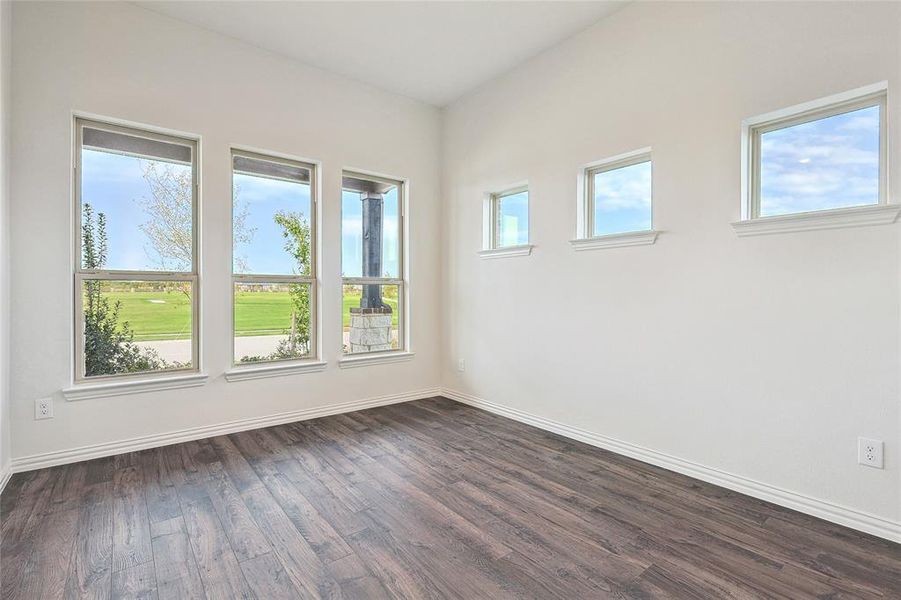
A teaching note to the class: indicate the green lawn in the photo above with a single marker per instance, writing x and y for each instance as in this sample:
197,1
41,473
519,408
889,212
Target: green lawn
167,315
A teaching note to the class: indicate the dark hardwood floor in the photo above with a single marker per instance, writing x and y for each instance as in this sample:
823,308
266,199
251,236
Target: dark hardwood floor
429,499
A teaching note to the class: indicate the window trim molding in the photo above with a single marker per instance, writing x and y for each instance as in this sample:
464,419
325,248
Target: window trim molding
506,251
163,380
275,369
352,361
491,224
616,240
78,274
312,279
753,127
405,294
835,218
585,202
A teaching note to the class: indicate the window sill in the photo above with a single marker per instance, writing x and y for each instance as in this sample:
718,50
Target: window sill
259,372
505,252
858,216
615,240
351,362
87,391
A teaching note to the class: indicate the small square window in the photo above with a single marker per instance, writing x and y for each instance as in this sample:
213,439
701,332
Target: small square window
510,218
619,196
817,159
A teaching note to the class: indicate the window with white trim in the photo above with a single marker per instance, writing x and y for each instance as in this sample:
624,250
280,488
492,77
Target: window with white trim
273,258
826,155
509,218
618,196
136,281
372,263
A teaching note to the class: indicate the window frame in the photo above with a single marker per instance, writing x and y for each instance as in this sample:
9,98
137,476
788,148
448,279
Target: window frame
494,222
754,128
401,281
81,275
612,164
312,279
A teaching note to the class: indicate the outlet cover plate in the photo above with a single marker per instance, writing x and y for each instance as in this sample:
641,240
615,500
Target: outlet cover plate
43,408
869,452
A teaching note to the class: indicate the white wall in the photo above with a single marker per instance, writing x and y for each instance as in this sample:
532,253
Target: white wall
762,357
122,61
5,70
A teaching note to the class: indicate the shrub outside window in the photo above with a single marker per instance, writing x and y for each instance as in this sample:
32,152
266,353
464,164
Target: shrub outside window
136,282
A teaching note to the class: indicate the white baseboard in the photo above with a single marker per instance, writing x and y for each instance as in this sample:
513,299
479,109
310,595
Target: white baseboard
5,473
62,457
861,521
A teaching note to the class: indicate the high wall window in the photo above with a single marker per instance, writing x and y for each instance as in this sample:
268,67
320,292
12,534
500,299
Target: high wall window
619,196
274,258
136,284
822,156
509,218
372,233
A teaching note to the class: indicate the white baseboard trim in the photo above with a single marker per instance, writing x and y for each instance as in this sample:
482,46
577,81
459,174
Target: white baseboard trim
62,457
5,473
861,521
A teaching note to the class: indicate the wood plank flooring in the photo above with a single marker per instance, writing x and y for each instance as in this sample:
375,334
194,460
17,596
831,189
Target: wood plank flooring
428,499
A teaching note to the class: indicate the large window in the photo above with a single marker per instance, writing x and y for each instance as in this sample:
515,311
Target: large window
828,156
372,233
509,217
619,196
136,279
274,258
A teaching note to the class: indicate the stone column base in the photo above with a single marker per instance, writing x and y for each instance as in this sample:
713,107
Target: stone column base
370,329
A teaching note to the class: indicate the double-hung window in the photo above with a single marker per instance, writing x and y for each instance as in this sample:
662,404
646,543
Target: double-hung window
372,263
136,283
816,165
274,258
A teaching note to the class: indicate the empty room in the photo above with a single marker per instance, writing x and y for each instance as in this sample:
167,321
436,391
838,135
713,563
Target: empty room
475,299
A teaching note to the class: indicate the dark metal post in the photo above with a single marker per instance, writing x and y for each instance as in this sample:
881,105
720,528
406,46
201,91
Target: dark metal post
372,248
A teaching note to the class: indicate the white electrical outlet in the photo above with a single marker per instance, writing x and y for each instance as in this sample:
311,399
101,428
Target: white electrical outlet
43,408
461,365
869,452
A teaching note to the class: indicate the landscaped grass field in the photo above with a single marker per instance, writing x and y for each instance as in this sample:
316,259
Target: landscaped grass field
167,315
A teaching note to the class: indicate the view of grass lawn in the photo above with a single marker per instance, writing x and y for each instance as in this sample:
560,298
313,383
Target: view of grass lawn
167,316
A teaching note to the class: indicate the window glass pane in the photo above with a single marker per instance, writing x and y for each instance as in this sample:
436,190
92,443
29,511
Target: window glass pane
136,326
827,163
622,199
371,317
513,219
272,218
370,214
136,200
273,321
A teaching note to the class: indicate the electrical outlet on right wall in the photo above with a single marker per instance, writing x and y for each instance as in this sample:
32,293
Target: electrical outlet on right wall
869,452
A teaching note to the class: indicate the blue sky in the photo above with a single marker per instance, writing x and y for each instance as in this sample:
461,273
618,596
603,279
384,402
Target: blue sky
622,199
114,184
829,163
352,235
513,214
263,198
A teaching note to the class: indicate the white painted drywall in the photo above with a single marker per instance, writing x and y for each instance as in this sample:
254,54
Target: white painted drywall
5,70
764,357
123,61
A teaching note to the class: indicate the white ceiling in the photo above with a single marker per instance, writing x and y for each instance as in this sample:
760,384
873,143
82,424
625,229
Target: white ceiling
432,51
